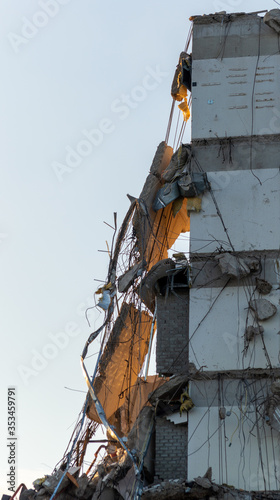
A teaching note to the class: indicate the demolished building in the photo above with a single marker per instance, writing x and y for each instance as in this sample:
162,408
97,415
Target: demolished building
208,424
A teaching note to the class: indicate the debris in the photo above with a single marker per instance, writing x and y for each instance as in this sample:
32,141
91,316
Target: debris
179,257
182,77
38,482
184,107
193,184
127,279
72,479
177,205
252,331
232,266
128,340
177,163
273,412
275,387
147,290
25,495
272,19
222,413
161,159
203,482
50,484
252,263
165,195
132,199
263,286
263,308
194,204
105,301
208,473
186,403
137,437
170,389
82,484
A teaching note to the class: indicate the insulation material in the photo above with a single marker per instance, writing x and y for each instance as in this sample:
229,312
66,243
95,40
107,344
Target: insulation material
164,232
157,231
182,77
122,360
184,107
194,204
138,397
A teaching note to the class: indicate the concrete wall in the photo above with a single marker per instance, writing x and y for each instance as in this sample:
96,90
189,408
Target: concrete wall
240,450
171,450
218,340
235,134
250,212
222,102
172,332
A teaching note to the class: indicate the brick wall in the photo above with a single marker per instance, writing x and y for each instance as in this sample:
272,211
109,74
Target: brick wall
171,450
172,332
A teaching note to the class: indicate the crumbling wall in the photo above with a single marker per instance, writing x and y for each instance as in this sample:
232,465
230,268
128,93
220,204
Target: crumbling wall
171,450
172,332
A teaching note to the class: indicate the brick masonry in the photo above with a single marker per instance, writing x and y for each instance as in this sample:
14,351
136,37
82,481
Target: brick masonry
171,450
172,332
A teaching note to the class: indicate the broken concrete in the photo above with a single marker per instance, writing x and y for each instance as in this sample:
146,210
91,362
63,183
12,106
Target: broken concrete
51,482
275,387
127,279
272,19
252,331
263,286
263,308
153,181
232,266
177,163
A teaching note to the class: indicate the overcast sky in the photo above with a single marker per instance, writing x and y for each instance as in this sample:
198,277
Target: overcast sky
84,102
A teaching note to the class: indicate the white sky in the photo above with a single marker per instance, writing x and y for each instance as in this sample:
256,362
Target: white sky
67,77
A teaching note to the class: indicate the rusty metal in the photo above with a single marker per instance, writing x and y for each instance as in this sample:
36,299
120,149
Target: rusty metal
95,458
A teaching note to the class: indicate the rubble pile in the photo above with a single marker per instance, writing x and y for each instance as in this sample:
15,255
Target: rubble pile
179,489
113,481
109,481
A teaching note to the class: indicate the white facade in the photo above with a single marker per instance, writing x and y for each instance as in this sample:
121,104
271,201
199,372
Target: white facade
235,93
236,88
